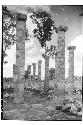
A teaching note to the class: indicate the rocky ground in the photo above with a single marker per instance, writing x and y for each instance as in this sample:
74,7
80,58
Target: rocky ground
35,108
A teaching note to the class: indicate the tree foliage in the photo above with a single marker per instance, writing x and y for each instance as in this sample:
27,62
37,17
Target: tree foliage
45,26
8,28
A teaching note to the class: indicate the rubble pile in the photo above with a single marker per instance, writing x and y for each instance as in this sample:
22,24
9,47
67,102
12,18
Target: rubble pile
72,106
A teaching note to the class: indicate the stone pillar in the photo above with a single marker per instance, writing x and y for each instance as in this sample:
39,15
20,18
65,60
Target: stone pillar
15,72
29,72
39,69
61,53
34,70
46,84
71,63
20,56
56,55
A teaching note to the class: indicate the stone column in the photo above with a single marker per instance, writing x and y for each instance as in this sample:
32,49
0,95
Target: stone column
56,55
15,72
20,56
46,84
61,53
39,69
29,72
34,70
71,63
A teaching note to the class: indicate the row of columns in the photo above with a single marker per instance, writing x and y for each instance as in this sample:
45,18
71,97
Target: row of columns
19,70
34,70
60,57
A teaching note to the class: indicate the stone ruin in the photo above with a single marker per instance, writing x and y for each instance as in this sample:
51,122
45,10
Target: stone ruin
19,70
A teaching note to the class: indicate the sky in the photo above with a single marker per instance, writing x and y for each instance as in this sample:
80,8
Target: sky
65,15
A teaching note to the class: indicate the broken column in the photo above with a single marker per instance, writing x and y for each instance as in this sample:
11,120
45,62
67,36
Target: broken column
71,63
34,71
29,72
39,69
20,57
46,84
61,53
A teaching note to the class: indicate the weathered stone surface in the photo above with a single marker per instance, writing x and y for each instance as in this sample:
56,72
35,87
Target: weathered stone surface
61,53
72,106
56,55
71,63
73,109
46,85
39,69
67,107
71,66
15,72
29,72
20,57
34,71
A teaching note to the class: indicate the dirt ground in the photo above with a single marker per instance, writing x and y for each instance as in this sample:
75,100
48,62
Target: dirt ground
38,109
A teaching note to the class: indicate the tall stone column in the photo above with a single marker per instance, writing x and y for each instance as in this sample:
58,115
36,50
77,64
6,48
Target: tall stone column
56,55
46,85
29,72
20,56
71,63
15,72
61,53
34,71
39,69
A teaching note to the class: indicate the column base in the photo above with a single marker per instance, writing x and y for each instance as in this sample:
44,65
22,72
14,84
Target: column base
19,92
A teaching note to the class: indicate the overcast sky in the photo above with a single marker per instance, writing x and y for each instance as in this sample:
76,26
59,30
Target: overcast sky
65,15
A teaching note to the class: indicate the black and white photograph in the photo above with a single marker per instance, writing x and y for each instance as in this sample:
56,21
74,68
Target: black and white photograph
42,62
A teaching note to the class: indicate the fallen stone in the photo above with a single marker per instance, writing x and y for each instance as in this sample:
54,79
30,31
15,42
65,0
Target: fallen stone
80,113
6,95
78,105
67,101
73,109
59,107
66,108
72,106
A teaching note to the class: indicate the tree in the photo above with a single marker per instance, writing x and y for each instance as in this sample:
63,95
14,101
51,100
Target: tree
8,28
27,73
45,26
44,30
